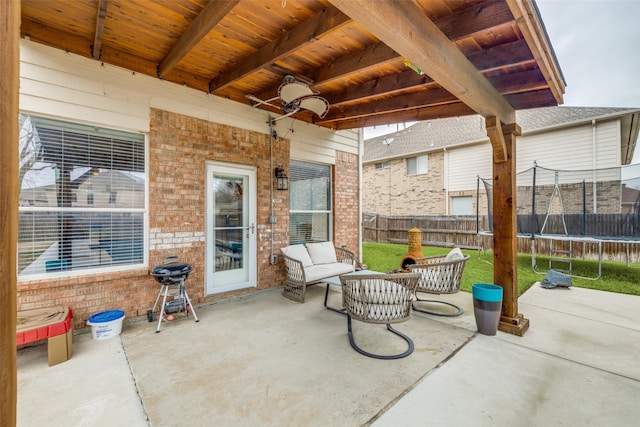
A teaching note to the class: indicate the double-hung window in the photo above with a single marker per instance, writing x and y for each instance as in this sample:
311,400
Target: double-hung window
417,165
82,197
462,205
310,202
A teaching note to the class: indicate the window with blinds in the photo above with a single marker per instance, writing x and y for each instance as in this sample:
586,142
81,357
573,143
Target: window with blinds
82,197
310,202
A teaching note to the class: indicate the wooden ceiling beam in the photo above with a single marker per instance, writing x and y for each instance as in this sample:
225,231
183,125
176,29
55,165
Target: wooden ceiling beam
330,19
371,56
202,25
486,14
427,98
530,24
96,48
421,41
41,33
523,81
442,111
475,20
512,84
532,99
81,46
392,84
483,15
510,54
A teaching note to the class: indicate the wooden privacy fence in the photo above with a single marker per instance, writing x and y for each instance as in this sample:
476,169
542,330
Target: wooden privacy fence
620,233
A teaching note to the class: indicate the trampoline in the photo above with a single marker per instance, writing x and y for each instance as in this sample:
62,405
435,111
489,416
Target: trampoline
568,215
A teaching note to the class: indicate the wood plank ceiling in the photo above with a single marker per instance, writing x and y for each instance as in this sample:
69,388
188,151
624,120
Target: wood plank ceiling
353,53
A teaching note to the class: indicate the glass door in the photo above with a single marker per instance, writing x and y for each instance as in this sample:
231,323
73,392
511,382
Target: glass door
231,233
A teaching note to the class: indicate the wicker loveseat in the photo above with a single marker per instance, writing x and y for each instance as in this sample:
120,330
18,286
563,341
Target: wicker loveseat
310,263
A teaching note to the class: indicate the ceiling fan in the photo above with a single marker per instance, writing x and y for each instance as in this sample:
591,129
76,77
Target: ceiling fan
295,96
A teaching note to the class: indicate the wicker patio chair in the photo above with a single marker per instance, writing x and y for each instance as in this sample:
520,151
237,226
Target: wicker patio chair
440,274
379,299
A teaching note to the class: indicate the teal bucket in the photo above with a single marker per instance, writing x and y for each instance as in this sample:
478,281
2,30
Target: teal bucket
487,306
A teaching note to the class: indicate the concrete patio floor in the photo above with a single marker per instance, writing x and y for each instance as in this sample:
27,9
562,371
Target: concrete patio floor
261,359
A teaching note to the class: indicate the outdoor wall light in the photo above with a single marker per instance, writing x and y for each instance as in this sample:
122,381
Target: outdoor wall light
282,179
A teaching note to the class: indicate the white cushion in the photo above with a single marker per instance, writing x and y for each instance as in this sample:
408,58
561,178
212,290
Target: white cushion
322,253
299,253
454,255
322,271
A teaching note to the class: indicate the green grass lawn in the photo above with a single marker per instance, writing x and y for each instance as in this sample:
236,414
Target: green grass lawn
616,276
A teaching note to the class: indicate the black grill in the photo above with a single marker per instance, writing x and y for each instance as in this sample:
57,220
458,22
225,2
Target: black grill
172,272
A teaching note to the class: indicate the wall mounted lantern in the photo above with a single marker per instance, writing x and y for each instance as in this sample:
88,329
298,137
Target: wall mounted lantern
282,179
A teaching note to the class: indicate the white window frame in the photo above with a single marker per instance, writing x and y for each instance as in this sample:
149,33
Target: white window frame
100,222
299,236
462,202
417,165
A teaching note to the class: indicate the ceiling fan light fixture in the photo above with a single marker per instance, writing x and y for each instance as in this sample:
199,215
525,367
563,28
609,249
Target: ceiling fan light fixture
294,96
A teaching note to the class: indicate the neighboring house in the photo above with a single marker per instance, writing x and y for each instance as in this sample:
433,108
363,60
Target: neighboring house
432,168
124,169
631,198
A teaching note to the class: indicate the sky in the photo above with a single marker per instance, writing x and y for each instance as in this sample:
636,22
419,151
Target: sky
597,45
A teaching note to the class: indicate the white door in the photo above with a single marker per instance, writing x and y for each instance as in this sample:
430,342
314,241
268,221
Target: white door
231,234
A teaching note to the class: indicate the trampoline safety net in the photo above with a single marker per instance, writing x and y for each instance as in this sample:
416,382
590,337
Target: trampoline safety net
601,203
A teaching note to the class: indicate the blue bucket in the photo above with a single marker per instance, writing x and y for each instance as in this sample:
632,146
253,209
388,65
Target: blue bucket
106,324
487,306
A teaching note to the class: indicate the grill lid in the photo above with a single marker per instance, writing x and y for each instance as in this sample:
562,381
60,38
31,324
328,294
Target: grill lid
172,269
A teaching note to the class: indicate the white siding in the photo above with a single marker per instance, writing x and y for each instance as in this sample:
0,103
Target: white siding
61,85
608,146
563,149
560,149
466,163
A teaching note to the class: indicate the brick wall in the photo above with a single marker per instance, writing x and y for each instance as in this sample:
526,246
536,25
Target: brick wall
575,198
391,191
179,147
346,221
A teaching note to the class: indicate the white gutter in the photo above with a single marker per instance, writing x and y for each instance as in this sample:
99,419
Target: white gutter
361,219
445,179
594,165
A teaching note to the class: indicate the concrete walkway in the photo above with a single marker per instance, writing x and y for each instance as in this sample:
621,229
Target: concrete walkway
578,365
264,360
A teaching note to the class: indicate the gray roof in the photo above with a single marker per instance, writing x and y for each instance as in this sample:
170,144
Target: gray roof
436,134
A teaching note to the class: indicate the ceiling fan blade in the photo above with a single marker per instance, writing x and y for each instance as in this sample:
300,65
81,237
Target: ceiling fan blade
290,113
259,101
317,104
290,91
